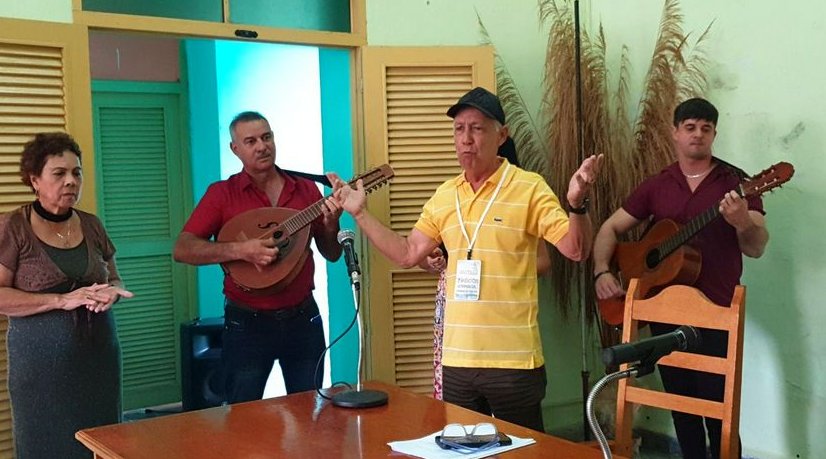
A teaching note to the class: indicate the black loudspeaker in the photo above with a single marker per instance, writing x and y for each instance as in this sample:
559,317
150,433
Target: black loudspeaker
202,376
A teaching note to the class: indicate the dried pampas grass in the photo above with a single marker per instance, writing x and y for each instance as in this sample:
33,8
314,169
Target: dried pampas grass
633,150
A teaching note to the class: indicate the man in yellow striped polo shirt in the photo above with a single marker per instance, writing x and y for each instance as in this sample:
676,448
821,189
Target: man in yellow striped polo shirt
490,219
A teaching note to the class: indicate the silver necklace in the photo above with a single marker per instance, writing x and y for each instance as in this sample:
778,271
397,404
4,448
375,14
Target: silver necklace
694,176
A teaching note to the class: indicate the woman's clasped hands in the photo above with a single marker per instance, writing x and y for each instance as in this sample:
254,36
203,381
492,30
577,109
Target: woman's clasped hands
95,297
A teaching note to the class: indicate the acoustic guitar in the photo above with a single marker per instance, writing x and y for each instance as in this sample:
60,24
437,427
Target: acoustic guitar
290,229
662,257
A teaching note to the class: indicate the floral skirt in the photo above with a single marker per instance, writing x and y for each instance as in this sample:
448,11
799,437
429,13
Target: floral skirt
438,332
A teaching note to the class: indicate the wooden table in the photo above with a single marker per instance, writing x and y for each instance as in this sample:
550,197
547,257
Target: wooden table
305,426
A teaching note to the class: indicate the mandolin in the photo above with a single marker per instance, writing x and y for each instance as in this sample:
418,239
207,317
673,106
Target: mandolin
662,257
290,229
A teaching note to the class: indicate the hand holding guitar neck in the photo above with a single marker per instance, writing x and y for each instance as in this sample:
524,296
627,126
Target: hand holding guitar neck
735,210
331,210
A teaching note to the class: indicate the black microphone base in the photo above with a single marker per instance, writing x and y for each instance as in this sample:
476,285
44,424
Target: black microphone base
360,398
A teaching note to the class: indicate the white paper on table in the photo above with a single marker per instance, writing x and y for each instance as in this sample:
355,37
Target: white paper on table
427,448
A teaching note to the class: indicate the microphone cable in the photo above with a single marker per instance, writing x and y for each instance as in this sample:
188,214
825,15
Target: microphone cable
324,352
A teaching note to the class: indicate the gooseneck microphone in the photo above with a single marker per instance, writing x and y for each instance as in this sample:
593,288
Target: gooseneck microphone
648,351
345,238
360,397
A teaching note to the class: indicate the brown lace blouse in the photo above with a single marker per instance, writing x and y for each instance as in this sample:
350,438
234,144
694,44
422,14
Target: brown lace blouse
34,271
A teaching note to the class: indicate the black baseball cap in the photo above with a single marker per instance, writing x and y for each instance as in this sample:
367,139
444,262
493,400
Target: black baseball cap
482,100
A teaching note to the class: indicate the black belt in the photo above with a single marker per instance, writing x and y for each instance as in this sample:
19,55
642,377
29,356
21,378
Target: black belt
287,313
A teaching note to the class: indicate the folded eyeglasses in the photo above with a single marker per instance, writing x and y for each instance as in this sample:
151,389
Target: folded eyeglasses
481,436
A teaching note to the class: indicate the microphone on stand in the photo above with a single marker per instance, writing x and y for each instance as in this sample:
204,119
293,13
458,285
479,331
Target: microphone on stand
358,398
345,238
644,353
649,350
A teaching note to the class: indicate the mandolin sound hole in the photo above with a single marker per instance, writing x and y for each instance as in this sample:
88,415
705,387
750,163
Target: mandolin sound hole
284,246
652,259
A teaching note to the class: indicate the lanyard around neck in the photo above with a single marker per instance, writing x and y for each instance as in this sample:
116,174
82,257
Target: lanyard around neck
472,242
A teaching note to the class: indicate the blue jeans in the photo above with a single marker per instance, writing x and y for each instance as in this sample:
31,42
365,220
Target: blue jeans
253,340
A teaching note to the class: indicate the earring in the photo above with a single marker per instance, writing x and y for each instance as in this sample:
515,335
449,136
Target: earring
36,193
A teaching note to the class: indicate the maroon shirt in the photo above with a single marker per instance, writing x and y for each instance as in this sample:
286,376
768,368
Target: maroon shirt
667,195
228,198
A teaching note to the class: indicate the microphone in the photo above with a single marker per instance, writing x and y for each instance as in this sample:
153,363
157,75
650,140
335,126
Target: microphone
345,238
358,398
649,350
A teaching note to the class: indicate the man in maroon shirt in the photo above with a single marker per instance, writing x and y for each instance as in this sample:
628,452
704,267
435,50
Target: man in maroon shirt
686,188
258,329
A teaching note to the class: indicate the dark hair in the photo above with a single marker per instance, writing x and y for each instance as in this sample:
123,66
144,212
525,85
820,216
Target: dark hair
244,117
695,109
508,151
38,150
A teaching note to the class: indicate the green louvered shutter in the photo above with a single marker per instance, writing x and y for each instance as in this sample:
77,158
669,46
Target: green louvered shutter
137,132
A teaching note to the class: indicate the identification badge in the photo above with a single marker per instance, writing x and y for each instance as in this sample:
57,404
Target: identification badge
468,280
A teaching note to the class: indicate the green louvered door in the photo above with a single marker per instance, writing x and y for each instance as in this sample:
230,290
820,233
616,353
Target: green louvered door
138,140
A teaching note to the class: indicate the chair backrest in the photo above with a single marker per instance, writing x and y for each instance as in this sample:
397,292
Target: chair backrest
683,305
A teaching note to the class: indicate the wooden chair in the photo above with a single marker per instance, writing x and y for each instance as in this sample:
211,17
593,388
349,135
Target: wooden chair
683,305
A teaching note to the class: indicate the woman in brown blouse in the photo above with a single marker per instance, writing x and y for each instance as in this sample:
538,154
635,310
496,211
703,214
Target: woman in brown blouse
58,282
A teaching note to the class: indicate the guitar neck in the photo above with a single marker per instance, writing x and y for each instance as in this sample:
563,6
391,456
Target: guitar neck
688,231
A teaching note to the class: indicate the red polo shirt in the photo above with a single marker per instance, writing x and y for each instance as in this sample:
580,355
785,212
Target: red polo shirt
667,195
226,199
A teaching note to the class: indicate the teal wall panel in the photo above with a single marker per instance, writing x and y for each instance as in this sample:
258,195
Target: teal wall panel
198,10
328,15
337,140
205,147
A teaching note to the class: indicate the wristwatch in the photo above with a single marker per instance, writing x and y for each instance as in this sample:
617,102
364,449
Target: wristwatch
582,210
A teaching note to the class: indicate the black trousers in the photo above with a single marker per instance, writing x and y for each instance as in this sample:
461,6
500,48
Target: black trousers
253,340
511,395
691,429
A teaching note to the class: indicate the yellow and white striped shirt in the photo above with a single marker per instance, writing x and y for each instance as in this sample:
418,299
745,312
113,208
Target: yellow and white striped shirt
500,330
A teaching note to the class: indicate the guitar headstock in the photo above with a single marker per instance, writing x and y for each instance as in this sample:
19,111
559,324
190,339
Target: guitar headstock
768,179
374,178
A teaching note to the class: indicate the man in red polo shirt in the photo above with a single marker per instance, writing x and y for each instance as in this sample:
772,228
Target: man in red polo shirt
258,329
696,182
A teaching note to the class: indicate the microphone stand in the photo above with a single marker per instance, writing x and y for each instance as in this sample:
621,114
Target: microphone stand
583,277
359,398
640,369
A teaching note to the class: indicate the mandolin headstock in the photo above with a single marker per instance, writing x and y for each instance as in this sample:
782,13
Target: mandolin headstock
374,178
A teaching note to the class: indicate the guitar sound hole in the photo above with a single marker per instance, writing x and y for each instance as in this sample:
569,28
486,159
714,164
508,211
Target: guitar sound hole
652,259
